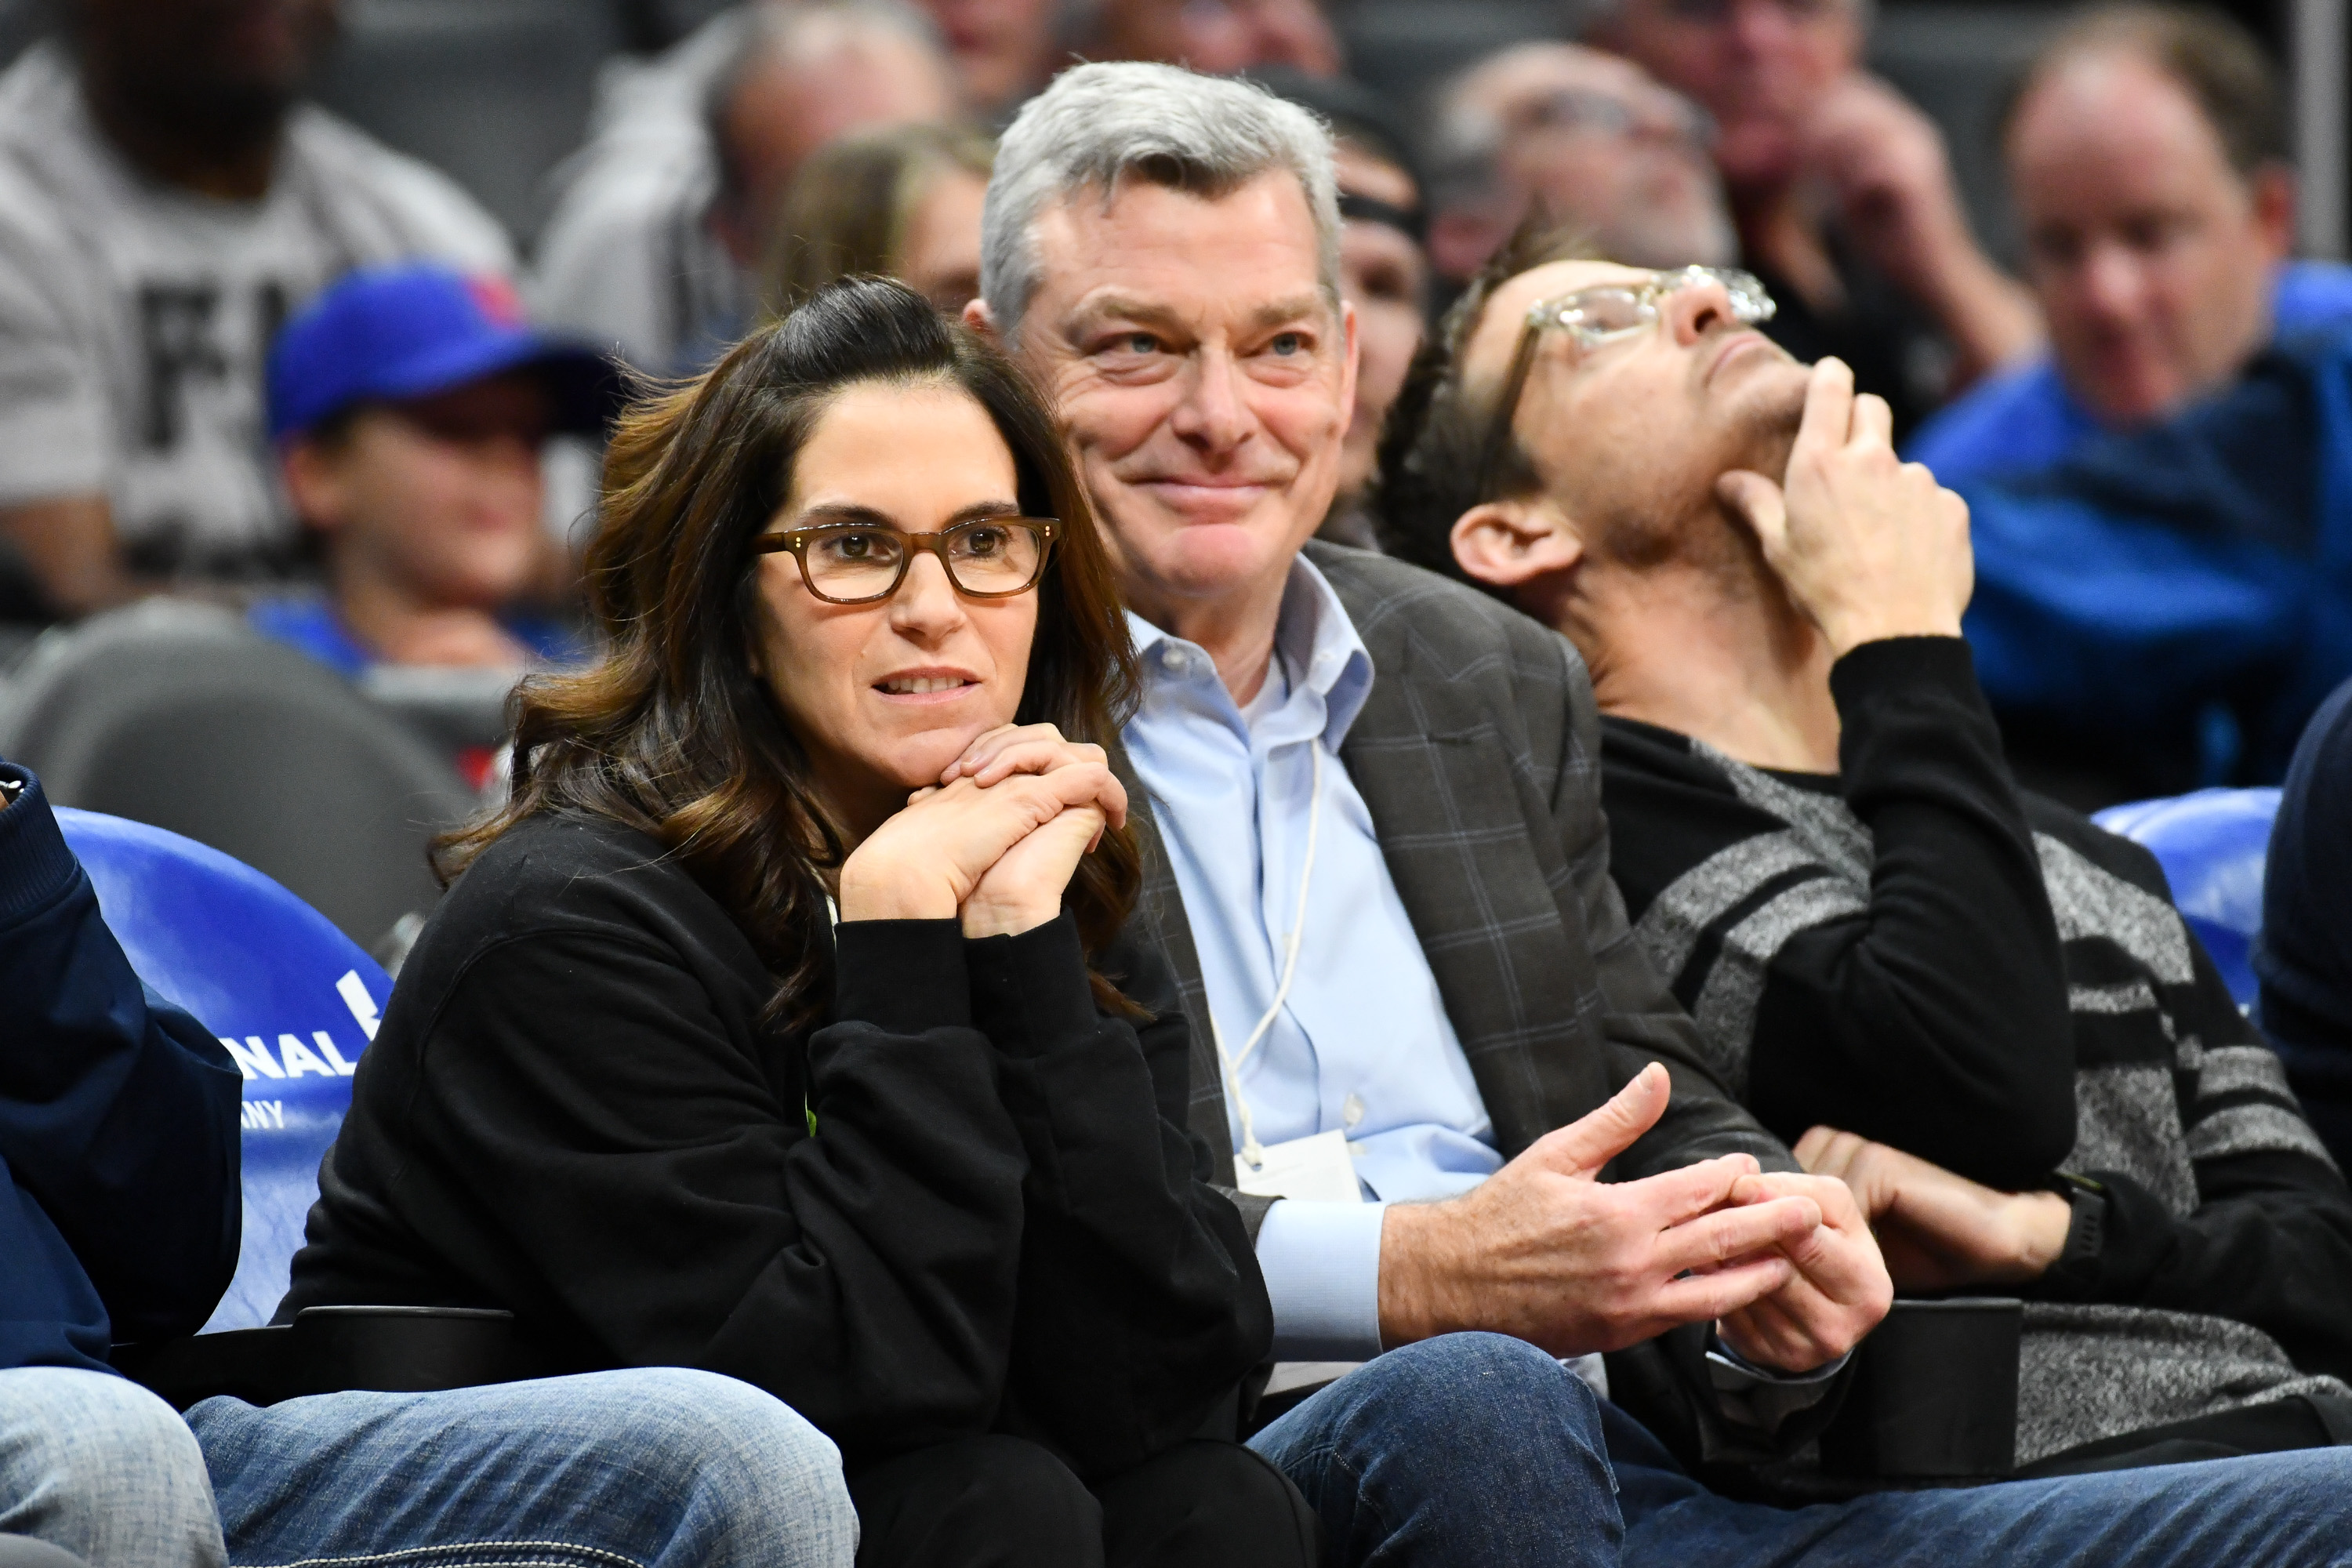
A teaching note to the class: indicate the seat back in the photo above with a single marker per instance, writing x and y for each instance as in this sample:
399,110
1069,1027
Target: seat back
180,716
2212,845
294,999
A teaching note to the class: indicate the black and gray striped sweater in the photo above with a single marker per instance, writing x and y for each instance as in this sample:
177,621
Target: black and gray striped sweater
1916,950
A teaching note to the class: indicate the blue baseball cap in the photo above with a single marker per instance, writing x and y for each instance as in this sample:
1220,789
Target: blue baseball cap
387,334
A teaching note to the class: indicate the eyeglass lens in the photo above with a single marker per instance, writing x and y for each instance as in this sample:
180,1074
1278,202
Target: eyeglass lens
985,557
1593,314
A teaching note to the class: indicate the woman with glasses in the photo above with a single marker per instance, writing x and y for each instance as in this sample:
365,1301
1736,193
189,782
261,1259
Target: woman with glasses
756,1036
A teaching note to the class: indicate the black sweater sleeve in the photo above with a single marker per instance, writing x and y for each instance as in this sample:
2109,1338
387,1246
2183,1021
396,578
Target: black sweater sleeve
1140,1301
2269,1244
1935,1018
2270,1241
602,1155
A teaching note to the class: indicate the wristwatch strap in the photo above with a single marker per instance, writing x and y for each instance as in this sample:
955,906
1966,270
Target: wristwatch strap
2086,1229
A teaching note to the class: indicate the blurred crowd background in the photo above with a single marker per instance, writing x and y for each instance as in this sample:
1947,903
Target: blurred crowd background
310,312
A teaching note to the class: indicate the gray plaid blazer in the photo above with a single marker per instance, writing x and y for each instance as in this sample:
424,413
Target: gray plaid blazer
1478,755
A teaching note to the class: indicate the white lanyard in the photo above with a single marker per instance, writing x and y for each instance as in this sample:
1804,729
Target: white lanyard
1252,1152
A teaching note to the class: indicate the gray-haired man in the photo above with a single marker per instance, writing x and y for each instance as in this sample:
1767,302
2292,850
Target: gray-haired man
1385,882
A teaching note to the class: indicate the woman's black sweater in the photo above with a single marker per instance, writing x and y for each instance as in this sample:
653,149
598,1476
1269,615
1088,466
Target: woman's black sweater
967,1203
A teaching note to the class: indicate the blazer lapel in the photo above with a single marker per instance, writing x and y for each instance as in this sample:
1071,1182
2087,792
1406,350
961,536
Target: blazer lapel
1450,804
1162,902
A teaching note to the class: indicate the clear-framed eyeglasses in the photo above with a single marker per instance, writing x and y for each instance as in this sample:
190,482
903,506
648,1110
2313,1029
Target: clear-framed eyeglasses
1603,314
1571,111
860,563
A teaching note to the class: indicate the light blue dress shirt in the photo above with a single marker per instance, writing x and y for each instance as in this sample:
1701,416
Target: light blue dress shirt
1363,1043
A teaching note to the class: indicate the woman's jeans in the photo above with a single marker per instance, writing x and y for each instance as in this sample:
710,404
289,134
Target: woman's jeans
658,1467
1480,1450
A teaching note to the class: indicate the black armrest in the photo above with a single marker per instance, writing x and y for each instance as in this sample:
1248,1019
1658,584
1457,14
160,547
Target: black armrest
326,1350
1933,1396
250,1365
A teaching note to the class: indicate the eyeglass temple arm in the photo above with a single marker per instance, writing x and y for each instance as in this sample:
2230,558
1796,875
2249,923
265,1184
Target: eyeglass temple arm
1507,410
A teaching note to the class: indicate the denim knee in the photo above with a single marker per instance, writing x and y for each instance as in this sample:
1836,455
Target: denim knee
741,1454
658,1466
1480,1390
96,1465
1466,1449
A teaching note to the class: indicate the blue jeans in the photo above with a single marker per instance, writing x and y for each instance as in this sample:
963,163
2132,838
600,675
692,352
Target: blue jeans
660,1468
1479,1449
96,1464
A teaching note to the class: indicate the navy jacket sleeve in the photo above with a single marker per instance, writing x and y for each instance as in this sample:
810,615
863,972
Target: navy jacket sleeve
117,1123
2305,955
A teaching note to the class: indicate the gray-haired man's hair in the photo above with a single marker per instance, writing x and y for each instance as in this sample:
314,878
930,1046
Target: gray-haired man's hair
1099,124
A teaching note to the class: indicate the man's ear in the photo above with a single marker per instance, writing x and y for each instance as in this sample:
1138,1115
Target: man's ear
1509,544
315,484
981,320
2274,200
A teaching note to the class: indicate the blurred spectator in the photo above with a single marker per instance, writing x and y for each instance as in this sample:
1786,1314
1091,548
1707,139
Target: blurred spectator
903,203
165,201
2148,155
409,406
1842,191
1219,37
654,244
118,1215
2160,510
1003,49
2166,607
2305,954
1600,146
1383,271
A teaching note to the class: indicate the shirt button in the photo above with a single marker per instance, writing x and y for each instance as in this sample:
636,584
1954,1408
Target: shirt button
1172,659
1351,1109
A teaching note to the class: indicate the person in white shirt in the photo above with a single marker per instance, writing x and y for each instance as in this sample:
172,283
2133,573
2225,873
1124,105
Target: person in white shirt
166,200
661,221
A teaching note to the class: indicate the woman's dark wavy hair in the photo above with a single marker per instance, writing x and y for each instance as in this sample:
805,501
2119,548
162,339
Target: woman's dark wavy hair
674,733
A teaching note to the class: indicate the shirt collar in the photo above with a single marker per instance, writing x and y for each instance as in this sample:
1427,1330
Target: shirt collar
1315,636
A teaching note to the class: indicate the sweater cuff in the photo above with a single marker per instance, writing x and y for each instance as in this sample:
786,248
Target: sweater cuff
36,868
901,976
2117,1239
1029,993
1896,666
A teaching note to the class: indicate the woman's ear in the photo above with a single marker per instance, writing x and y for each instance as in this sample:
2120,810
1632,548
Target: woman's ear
1509,544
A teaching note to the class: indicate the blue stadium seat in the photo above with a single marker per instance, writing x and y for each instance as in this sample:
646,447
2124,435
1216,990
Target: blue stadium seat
294,1000
2212,845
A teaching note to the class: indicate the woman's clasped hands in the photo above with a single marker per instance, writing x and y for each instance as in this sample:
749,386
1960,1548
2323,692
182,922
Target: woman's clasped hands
996,842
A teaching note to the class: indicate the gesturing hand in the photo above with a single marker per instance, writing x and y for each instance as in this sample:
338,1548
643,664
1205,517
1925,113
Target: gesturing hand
1940,1230
1544,1251
1867,545
933,858
1837,1289
1885,162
